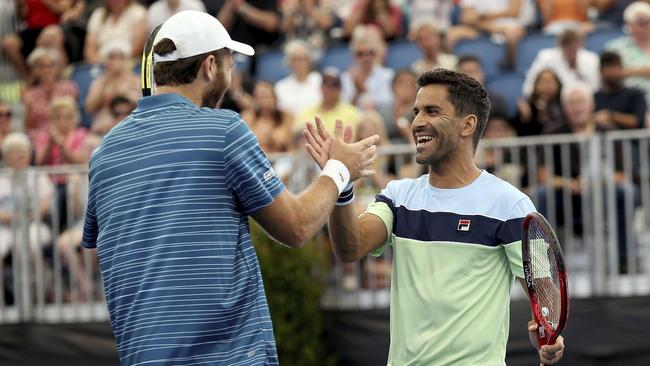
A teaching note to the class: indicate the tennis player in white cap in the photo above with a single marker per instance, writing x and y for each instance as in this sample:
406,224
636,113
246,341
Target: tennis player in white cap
171,189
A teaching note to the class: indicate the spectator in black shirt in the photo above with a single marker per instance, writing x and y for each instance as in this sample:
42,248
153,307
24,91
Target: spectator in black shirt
255,22
617,106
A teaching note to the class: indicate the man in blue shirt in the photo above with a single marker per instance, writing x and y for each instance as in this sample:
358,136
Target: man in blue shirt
170,191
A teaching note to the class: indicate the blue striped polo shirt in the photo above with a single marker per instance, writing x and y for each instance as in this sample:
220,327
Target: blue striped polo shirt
169,193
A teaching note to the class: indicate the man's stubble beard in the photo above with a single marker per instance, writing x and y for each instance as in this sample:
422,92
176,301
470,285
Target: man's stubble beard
213,96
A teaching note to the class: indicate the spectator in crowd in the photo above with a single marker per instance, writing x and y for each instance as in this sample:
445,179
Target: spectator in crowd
499,161
38,15
471,65
635,48
617,107
578,104
366,83
303,81
332,107
117,79
17,155
560,15
505,19
385,16
542,111
371,123
610,12
161,10
570,61
61,142
120,107
436,12
398,115
5,121
309,20
46,83
426,36
271,125
255,22
124,20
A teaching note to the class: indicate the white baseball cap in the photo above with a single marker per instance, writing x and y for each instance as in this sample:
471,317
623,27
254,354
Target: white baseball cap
194,33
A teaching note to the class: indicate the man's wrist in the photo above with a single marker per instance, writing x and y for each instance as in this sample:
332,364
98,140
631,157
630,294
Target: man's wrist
338,172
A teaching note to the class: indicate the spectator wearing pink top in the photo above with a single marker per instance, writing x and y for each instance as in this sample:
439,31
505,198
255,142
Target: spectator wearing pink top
61,143
46,83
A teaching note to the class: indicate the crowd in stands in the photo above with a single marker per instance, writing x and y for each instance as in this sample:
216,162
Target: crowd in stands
567,87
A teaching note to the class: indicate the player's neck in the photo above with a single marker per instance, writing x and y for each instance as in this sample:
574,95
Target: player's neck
188,91
456,173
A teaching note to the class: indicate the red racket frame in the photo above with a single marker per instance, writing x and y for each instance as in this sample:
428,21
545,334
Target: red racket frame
549,334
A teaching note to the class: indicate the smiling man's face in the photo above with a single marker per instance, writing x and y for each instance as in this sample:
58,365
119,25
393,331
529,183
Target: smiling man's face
436,128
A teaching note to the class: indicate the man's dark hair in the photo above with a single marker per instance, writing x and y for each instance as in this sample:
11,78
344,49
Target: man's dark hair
609,58
469,58
465,94
182,71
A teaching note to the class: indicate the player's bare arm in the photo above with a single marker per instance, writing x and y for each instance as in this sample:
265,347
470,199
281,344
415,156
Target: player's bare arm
293,219
352,237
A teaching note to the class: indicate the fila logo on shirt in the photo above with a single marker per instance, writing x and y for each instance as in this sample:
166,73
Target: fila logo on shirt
463,224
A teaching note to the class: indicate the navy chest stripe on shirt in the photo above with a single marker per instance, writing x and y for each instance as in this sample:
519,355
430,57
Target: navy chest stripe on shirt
425,226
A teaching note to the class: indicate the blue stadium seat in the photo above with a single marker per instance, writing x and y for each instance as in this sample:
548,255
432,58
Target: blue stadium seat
490,53
597,40
83,75
528,48
338,57
271,67
509,86
402,54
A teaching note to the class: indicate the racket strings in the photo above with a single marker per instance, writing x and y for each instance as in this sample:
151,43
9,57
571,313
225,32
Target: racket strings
546,281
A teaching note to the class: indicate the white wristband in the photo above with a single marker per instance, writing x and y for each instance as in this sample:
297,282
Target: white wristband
338,172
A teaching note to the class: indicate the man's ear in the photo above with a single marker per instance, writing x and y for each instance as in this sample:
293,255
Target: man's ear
207,69
468,125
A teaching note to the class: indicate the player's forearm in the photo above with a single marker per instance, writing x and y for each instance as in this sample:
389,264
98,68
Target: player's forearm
345,234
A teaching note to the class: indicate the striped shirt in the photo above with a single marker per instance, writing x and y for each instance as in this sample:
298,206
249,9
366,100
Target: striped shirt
170,190
456,253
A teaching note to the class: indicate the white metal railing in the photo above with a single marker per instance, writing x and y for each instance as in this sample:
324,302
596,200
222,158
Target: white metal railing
602,219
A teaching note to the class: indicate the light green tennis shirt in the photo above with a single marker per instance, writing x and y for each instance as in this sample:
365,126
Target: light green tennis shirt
456,253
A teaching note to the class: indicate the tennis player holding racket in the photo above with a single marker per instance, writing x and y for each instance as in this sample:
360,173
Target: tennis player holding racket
171,189
456,235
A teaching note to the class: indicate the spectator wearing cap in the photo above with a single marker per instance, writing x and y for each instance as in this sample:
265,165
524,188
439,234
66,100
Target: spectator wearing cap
303,81
46,71
634,48
426,36
161,10
124,20
255,22
570,61
117,79
366,83
332,106
617,106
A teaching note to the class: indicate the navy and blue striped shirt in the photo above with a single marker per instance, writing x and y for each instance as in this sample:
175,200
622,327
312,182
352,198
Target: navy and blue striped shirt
170,191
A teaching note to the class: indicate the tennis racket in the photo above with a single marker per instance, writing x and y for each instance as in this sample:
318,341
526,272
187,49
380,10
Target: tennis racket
146,73
546,278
